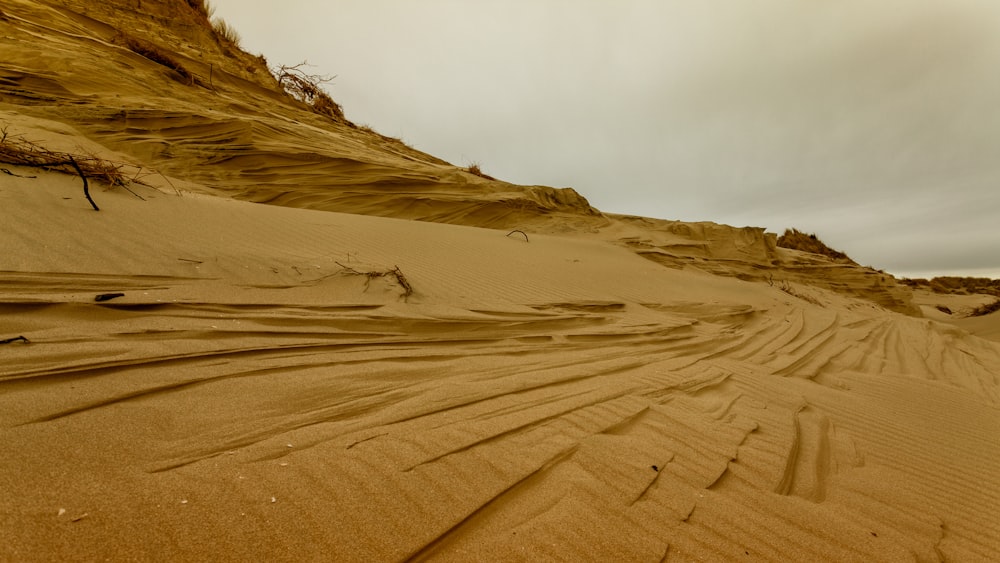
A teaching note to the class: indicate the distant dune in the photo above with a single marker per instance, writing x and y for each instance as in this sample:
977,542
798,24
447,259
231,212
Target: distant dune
401,359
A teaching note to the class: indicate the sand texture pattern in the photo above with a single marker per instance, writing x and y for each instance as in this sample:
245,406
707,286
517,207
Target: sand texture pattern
376,368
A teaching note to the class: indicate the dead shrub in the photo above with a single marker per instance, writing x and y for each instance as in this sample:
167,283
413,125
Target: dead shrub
18,151
21,152
308,89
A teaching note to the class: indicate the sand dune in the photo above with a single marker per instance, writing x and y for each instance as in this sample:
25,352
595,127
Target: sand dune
412,380
513,406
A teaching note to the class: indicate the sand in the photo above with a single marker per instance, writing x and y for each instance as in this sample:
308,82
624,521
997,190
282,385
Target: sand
415,382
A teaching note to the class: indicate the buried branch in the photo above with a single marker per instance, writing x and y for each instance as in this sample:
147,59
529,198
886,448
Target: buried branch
524,234
86,187
394,273
20,152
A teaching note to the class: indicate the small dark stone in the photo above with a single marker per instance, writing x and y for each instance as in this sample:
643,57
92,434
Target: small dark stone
874,534
655,468
108,296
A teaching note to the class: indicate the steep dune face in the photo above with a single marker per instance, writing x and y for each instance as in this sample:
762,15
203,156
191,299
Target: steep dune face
223,122
223,125
748,253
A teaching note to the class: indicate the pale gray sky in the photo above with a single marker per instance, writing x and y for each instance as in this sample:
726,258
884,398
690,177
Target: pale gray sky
874,123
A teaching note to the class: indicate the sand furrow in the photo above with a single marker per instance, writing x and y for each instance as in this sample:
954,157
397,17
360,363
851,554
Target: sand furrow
440,542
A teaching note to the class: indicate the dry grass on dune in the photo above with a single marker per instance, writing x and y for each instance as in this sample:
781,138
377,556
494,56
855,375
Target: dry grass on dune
474,168
957,285
987,309
156,54
797,240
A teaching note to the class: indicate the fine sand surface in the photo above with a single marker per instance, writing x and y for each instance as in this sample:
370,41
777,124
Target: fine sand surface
376,367
251,396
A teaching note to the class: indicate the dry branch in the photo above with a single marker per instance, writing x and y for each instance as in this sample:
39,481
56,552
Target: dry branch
519,231
86,186
15,339
395,273
17,151
308,89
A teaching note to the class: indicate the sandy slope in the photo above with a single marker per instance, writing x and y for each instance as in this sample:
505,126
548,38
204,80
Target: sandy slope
233,133
611,388
250,397
957,309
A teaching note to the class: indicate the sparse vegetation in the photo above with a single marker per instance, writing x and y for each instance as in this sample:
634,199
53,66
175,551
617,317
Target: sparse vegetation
308,89
202,7
790,290
956,285
226,32
986,309
474,168
156,54
797,240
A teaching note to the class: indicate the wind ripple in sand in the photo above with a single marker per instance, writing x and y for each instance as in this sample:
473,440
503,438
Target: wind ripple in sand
473,436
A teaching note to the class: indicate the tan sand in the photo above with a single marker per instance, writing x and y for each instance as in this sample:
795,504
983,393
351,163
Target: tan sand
958,309
610,389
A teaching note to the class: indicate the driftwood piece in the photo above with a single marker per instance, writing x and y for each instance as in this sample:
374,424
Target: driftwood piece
15,339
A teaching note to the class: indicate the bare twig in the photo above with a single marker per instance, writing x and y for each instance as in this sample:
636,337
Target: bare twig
519,231
15,339
9,173
408,289
395,272
86,187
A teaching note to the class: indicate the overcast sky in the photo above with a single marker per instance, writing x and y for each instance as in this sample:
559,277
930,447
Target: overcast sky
873,123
